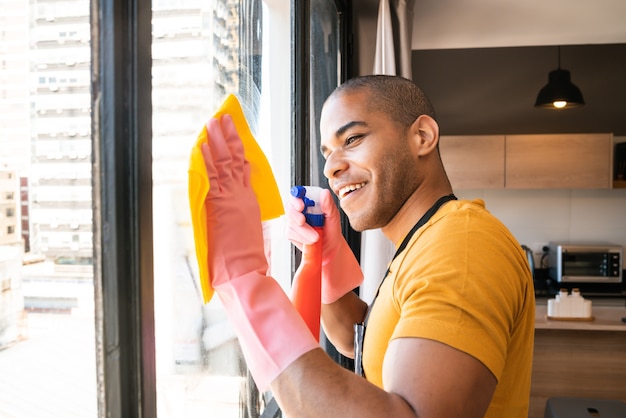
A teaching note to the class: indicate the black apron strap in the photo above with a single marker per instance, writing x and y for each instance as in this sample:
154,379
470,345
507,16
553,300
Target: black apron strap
359,329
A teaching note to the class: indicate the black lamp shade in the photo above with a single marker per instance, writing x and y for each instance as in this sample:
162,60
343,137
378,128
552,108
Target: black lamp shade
559,89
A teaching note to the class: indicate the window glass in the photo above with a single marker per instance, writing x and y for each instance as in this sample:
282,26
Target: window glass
325,73
203,51
327,44
47,332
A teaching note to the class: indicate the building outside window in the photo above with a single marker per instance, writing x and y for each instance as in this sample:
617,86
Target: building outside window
201,52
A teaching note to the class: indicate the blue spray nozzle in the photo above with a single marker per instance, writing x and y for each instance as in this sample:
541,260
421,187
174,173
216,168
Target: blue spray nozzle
298,191
310,195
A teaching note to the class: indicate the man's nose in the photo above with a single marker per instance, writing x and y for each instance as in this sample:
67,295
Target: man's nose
335,164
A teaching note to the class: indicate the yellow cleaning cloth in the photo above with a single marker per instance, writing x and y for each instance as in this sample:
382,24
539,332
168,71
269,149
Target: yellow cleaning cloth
261,178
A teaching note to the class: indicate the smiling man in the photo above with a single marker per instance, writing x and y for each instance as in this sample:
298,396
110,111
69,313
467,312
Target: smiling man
450,332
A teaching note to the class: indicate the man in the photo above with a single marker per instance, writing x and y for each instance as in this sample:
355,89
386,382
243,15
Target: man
450,333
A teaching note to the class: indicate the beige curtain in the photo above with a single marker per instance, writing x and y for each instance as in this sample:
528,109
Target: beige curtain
393,57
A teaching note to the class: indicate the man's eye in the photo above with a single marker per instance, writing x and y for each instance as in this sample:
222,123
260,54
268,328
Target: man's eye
351,139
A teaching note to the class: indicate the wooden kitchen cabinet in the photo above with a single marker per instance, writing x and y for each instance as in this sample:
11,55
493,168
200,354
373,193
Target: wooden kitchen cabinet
474,162
572,161
550,161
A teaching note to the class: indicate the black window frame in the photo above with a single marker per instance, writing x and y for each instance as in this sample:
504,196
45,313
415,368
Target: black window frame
121,42
302,166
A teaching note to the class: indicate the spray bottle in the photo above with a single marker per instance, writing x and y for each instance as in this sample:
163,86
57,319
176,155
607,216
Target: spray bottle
307,283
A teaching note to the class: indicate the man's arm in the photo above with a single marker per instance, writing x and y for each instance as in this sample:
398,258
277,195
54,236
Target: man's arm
422,378
419,375
338,319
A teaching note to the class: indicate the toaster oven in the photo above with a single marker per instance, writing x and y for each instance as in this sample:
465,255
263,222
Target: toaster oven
585,263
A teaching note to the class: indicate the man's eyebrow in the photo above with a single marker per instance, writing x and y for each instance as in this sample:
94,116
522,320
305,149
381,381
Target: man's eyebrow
349,125
342,130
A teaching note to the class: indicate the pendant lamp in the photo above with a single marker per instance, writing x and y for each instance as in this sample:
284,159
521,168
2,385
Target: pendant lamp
560,92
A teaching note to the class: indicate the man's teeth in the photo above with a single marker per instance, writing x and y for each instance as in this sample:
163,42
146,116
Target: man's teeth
347,189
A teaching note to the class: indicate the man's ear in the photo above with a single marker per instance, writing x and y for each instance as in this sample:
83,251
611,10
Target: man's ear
425,131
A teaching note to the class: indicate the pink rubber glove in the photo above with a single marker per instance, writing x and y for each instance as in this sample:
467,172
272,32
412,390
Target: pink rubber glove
341,272
271,332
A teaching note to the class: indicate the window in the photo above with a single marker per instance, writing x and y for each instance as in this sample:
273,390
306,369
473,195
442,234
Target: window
324,36
200,55
47,331
256,68
158,76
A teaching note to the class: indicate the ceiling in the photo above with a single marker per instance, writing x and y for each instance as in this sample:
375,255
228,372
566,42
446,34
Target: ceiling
497,23
482,63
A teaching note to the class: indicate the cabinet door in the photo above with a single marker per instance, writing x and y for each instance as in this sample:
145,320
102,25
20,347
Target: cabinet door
473,162
572,161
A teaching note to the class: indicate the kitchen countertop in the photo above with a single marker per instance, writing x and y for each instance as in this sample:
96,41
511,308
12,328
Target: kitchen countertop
607,316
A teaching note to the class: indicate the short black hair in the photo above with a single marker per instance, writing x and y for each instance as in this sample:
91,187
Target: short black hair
396,96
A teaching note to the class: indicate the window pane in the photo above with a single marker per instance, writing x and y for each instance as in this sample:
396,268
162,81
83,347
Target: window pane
203,51
47,341
325,75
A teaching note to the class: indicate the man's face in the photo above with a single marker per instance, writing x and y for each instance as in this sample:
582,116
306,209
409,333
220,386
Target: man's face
369,164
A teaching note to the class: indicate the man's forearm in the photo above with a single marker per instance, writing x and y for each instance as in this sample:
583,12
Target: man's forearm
314,386
338,319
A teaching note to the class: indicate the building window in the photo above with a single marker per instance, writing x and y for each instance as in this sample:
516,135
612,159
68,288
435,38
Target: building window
47,324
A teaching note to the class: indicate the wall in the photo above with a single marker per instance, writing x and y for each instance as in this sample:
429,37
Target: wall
481,91
536,217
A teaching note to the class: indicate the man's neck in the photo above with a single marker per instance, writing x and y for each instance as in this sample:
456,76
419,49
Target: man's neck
410,213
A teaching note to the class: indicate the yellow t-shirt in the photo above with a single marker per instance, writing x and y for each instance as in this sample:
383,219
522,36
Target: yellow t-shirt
462,280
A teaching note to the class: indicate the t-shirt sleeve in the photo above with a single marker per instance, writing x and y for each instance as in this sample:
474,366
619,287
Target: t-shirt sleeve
459,294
